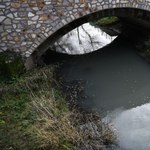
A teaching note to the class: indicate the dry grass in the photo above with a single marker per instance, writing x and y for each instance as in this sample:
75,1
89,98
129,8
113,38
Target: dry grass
35,115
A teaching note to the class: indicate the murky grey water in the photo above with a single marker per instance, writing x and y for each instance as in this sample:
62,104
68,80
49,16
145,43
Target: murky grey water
118,87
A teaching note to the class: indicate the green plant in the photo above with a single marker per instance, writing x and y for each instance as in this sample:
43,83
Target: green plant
35,115
11,68
106,21
147,43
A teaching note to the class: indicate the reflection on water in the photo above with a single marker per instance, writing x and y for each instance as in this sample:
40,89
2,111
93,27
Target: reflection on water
116,77
83,39
133,127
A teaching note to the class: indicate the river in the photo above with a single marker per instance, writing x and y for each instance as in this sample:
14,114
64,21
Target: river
117,85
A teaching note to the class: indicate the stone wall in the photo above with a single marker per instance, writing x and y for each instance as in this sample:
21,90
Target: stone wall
30,26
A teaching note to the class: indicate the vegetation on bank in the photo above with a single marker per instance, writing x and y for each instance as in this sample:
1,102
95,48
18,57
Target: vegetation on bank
11,65
147,45
144,46
34,115
106,21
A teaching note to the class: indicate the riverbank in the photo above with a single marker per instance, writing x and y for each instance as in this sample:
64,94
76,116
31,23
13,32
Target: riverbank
40,111
135,30
34,114
116,80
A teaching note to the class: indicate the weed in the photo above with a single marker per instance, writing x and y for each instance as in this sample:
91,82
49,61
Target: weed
34,114
147,44
106,21
11,68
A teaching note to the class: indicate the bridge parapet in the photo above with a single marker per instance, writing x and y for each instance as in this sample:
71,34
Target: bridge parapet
30,26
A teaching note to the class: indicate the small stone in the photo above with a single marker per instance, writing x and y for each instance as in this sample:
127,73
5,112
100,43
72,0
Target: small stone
47,3
9,37
28,9
65,3
30,14
4,38
26,36
43,17
23,43
43,8
33,35
13,9
38,25
99,7
2,18
33,5
31,22
16,14
24,18
37,31
32,26
58,4
10,15
7,21
76,15
35,18
22,33
14,34
2,6
2,44
34,12
4,48
29,31
25,1
83,5
69,8
19,26
16,39
7,27
64,22
27,55
40,3
14,21
15,5
1,13
35,8
95,9
22,14
4,33
18,18
80,14
9,30
39,12
27,27
42,28
23,49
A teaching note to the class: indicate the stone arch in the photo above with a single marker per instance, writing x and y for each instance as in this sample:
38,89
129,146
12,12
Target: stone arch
29,27
128,12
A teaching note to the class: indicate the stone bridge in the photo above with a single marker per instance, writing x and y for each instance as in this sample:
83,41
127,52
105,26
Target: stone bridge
30,26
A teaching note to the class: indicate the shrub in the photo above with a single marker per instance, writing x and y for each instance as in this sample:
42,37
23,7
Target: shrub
35,115
147,43
11,67
106,21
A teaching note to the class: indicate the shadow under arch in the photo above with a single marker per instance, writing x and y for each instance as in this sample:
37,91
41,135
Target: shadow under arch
129,12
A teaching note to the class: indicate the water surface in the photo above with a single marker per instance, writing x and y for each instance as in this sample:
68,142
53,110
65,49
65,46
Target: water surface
117,85
84,39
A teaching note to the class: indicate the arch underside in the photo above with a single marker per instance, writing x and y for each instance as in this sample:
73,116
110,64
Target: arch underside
118,12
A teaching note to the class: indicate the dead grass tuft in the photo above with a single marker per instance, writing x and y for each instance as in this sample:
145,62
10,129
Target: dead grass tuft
34,114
